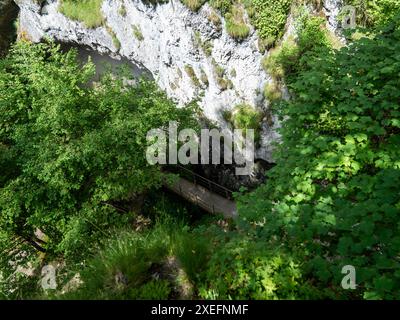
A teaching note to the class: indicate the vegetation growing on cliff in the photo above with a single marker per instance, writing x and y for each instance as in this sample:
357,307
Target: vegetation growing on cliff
86,11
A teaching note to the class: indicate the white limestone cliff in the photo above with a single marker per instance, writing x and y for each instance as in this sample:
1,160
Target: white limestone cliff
170,43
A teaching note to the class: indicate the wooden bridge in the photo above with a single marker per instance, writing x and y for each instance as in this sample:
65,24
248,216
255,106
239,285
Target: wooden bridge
202,192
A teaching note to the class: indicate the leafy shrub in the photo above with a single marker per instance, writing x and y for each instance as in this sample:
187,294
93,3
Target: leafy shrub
290,57
270,17
74,153
334,190
245,266
372,13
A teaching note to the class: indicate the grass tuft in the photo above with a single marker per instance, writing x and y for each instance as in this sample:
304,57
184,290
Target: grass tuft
272,91
86,11
236,25
137,32
193,5
192,75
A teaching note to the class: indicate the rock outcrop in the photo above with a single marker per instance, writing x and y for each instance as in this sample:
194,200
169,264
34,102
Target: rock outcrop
186,53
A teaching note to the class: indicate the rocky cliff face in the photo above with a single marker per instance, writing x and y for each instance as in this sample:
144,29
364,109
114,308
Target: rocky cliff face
183,50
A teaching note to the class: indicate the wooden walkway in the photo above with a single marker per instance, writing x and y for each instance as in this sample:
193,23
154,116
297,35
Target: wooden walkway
204,198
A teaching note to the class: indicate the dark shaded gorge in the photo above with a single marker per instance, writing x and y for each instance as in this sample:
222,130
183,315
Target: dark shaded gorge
104,62
8,15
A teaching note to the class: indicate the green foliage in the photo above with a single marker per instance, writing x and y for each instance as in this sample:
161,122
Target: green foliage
128,264
243,267
153,290
247,117
192,251
291,57
334,190
74,153
372,13
270,17
86,11
206,46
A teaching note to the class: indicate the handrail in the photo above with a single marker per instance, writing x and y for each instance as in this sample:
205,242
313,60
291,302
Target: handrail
200,180
198,201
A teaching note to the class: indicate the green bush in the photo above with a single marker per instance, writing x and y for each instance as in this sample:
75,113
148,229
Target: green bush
242,270
334,190
282,61
74,154
290,57
270,17
372,13
224,6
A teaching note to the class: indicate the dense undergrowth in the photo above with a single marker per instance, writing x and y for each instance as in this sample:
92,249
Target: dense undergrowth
333,196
